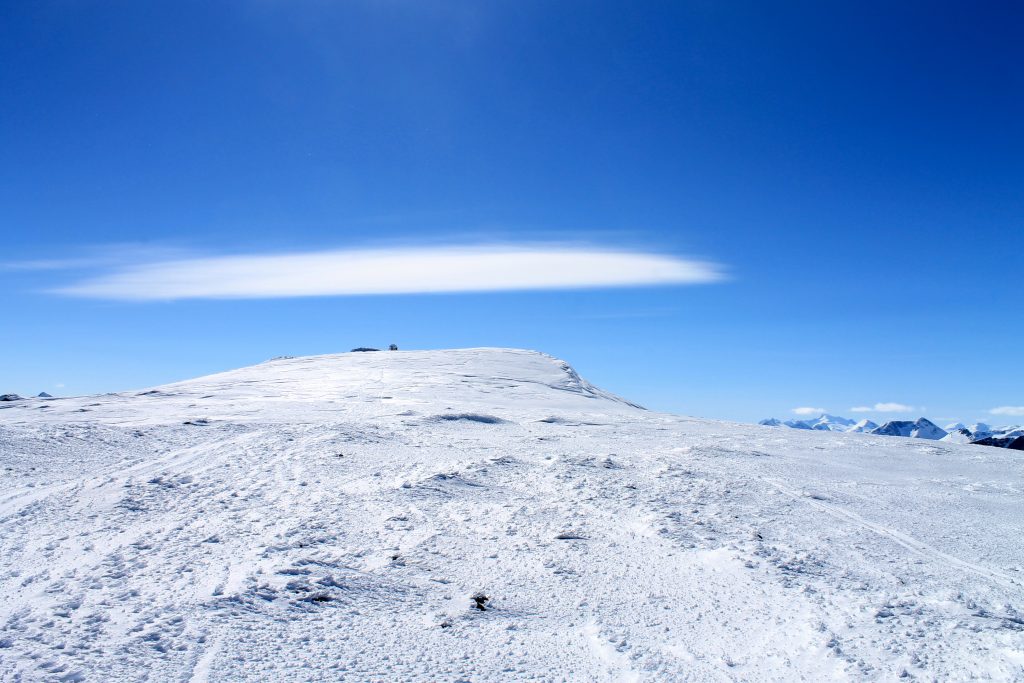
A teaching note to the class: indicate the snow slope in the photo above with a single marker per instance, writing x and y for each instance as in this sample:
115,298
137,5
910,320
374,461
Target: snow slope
342,517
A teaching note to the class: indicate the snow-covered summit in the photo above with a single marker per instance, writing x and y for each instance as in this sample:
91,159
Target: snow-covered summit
355,385
824,422
863,426
958,435
488,515
832,423
922,428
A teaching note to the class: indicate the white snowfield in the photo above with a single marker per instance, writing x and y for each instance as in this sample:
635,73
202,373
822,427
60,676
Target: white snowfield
346,517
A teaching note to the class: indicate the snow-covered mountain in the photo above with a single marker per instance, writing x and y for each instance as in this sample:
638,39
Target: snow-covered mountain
922,428
863,426
984,434
486,514
826,423
959,435
980,429
831,423
1015,443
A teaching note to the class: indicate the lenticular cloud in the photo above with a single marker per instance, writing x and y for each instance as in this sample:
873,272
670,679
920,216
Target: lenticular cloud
392,271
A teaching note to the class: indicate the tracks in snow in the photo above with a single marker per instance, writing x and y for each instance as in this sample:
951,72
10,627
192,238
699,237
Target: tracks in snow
904,540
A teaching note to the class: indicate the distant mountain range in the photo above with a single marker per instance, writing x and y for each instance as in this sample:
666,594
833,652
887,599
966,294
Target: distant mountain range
921,428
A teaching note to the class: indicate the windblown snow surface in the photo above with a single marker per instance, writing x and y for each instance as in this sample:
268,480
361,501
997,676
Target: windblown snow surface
485,514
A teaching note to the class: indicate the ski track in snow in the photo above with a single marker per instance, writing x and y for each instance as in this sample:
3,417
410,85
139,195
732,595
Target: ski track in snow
911,543
332,518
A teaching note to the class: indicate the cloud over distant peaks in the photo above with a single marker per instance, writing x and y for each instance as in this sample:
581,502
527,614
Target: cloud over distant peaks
1015,411
806,410
884,408
393,271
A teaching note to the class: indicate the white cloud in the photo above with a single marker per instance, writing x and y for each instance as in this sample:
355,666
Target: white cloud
809,411
393,271
47,264
92,257
894,408
884,408
1016,411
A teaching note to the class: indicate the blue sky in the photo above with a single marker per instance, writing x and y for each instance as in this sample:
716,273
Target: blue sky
850,176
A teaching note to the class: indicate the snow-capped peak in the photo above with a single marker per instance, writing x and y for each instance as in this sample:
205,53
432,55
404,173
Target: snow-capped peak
864,425
922,428
824,422
825,418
